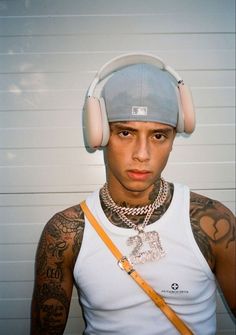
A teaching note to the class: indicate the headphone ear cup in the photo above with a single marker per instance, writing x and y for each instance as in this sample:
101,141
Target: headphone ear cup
105,123
93,122
180,121
187,108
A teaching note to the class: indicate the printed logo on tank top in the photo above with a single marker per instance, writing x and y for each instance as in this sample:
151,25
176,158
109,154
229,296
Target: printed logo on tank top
175,288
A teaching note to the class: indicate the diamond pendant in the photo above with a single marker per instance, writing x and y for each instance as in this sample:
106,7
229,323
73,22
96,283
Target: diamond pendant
147,247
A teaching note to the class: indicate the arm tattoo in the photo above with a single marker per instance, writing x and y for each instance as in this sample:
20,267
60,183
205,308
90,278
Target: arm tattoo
211,225
202,241
53,305
56,255
68,225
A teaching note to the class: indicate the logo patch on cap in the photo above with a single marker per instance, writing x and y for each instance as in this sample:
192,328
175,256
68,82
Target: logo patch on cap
139,110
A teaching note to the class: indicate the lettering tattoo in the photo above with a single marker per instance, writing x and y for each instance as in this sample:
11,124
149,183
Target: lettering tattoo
55,272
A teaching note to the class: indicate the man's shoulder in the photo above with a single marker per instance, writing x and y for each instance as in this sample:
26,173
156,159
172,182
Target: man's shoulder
73,213
207,205
67,221
198,199
64,233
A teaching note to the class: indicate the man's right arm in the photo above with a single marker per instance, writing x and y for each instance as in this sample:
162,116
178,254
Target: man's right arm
57,252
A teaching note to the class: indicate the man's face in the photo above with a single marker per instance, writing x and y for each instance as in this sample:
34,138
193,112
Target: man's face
136,154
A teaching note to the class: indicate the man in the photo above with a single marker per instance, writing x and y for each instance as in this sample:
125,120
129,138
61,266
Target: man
180,242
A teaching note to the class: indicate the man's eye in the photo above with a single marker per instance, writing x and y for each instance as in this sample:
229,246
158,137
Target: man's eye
124,133
159,136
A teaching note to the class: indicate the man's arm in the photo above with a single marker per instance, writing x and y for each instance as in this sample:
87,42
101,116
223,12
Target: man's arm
225,254
57,252
215,232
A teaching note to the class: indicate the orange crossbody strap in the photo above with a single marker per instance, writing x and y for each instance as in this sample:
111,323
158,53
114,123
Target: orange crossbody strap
124,264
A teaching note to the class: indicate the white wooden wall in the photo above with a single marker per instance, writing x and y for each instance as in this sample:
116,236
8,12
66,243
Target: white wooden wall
49,52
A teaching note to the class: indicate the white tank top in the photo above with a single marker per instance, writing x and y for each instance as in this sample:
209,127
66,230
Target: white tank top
114,304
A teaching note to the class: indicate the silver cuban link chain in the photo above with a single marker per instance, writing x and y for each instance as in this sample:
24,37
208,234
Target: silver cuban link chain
122,212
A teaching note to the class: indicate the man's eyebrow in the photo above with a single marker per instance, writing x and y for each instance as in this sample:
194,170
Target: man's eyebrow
123,125
164,130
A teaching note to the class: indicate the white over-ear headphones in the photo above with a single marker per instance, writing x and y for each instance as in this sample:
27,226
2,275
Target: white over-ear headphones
96,124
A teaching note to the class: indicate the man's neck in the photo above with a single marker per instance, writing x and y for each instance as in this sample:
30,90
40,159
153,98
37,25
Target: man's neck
123,196
138,219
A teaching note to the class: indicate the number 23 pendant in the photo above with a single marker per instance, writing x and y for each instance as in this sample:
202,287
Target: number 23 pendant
141,253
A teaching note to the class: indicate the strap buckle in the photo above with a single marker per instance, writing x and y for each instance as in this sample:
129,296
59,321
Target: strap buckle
125,265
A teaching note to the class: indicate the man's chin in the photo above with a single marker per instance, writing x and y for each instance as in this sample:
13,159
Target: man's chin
137,186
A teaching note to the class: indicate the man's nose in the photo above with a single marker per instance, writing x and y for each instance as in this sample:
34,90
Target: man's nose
141,150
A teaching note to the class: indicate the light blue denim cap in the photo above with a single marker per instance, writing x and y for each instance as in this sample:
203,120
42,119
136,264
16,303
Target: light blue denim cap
141,92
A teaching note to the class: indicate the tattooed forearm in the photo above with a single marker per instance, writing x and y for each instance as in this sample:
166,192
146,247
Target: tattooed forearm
51,309
57,252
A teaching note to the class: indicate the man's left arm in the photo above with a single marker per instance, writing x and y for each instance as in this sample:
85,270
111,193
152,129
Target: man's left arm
214,230
225,253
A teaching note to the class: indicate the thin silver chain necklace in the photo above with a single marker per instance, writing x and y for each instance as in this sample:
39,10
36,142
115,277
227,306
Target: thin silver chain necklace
143,239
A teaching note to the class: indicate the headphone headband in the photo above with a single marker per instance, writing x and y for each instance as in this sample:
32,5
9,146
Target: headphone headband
118,63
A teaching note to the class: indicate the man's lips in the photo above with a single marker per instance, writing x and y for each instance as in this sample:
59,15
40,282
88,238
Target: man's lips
138,174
